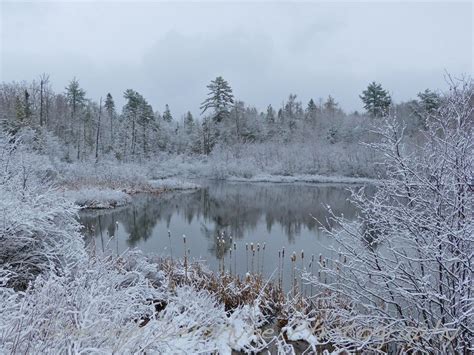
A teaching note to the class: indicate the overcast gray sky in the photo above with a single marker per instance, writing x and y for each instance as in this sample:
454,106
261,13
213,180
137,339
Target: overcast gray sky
170,51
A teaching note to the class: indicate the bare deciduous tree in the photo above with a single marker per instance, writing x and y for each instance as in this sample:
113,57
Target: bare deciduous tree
406,266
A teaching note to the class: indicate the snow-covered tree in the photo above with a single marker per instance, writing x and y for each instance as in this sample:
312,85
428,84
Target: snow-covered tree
44,81
130,116
331,106
427,106
312,111
109,106
188,122
76,98
220,99
404,268
376,100
167,114
146,120
429,100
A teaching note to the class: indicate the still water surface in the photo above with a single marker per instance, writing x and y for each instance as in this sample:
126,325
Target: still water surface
279,215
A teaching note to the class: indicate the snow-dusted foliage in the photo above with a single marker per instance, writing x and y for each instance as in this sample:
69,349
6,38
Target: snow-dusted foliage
173,184
400,275
405,267
114,178
97,198
113,175
121,305
38,229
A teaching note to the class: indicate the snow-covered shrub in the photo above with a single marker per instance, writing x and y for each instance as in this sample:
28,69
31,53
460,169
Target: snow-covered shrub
407,264
38,229
117,306
98,307
173,184
291,158
97,198
110,174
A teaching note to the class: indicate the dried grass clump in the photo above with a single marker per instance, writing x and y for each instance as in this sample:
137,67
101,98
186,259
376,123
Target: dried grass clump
232,290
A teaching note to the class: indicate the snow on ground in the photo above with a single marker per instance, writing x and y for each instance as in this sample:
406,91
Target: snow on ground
92,197
110,306
173,184
103,198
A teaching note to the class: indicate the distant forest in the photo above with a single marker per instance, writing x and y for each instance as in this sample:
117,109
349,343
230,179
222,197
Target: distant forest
73,127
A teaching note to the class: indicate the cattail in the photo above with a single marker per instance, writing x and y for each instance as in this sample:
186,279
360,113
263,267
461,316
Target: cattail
235,258
185,259
263,255
293,270
311,265
252,249
222,247
247,257
258,257
302,268
279,271
171,248
282,264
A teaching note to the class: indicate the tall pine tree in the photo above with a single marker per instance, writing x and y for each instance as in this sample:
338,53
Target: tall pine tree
110,109
76,98
376,100
167,114
220,99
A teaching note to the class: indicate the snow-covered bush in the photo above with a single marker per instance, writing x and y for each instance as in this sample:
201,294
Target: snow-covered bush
173,184
111,174
406,265
121,305
97,198
38,229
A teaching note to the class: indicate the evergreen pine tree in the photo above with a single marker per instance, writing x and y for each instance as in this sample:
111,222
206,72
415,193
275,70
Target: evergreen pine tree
167,114
331,106
110,109
376,100
130,113
188,122
429,101
220,99
311,112
76,98
270,116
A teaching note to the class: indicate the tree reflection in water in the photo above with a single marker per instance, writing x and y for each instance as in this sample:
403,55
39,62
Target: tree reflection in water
241,210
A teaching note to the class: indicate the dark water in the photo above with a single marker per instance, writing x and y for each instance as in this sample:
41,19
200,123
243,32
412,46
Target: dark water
279,215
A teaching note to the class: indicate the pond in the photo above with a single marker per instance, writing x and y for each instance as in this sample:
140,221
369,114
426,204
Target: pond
276,216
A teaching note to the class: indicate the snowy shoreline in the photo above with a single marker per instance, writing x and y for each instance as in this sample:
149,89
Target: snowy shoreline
95,197
315,179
